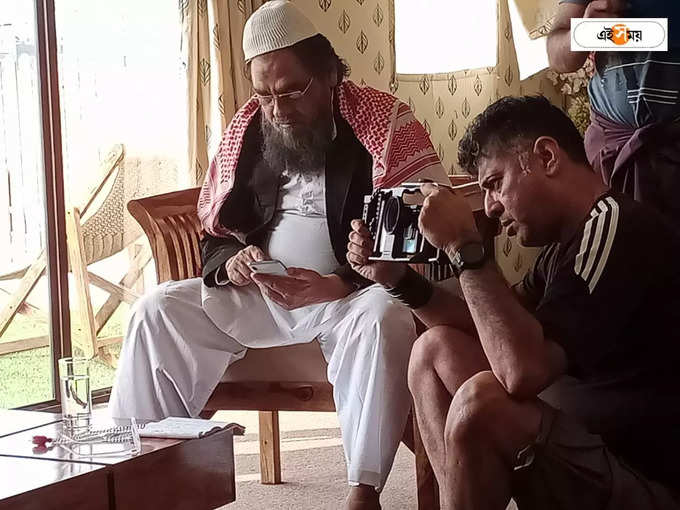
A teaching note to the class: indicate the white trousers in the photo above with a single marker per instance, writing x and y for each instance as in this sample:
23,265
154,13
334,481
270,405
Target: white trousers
176,351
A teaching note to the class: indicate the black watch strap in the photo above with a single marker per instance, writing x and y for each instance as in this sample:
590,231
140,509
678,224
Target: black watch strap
468,256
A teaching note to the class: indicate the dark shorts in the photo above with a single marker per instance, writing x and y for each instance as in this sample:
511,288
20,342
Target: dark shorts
568,468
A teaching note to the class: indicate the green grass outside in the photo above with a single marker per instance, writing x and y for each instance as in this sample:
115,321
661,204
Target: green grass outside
26,376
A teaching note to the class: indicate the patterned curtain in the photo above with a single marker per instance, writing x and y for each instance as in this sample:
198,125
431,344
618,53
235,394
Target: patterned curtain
538,16
212,32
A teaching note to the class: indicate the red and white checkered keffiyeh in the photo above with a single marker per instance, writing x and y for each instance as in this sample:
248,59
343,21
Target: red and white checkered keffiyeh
385,126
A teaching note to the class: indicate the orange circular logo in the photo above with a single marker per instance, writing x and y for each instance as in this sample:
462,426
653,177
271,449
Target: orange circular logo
620,34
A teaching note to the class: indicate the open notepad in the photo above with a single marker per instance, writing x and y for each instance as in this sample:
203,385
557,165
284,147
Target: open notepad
181,428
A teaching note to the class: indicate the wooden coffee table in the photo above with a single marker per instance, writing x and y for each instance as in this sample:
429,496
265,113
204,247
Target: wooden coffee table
168,474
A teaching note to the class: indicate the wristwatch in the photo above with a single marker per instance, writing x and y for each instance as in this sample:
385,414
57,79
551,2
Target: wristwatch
469,256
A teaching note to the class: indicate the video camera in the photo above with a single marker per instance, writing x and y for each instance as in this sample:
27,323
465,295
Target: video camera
391,216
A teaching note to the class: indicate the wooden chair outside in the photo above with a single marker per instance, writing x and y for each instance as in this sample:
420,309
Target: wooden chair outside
171,223
103,233
99,235
30,275
109,229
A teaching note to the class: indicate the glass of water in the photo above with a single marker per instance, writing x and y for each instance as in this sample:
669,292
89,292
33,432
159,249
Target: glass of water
76,400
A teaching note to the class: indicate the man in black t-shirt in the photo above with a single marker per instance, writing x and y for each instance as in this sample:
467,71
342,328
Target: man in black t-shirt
610,296
600,307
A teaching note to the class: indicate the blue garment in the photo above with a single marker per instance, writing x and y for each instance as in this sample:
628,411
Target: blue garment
639,88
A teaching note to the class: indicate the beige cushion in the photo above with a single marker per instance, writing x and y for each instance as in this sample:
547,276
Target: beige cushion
292,363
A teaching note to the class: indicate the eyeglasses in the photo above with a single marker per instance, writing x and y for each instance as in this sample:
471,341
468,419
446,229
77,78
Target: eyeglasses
289,97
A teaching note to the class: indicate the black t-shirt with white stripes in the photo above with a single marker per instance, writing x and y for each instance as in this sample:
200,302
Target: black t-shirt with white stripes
611,298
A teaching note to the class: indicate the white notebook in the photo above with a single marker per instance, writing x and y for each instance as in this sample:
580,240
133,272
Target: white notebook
180,428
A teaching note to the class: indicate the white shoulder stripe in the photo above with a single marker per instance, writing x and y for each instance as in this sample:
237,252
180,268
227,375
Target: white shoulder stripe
578,265
611,232
584,241
597,240
596,255
655,90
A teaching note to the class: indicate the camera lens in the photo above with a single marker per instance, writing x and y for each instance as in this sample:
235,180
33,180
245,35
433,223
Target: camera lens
392,214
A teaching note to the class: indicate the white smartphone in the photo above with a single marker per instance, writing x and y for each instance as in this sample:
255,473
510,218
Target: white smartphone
274,267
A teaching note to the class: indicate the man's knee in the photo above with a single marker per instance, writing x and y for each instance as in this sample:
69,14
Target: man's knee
387,312
389,324
152,303
440,344
476,412
428,348
157,306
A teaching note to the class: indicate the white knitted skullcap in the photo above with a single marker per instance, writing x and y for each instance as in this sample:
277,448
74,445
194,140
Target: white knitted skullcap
277,24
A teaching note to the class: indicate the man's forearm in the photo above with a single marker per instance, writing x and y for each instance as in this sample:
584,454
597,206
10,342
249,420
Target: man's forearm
521,358
560,56
215,251
447,307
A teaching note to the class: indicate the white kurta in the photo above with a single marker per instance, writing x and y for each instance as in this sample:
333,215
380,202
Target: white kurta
298,234
174,355
183,335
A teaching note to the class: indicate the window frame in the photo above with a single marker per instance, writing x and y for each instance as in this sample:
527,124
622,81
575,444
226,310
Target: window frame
55,212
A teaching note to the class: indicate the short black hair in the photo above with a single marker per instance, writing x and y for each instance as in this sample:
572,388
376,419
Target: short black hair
513,122
317,55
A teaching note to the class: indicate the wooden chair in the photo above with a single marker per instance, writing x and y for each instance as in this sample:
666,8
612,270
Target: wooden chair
106,230
96,230
30,275
99,235
288,384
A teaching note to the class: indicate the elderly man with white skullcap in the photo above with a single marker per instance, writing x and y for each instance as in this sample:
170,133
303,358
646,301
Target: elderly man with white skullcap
289,177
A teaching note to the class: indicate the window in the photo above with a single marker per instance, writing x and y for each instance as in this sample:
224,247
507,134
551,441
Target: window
122,88
443,36
121,85
532,54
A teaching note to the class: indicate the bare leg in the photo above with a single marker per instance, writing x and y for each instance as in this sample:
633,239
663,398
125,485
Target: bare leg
485,429
442,360
363,497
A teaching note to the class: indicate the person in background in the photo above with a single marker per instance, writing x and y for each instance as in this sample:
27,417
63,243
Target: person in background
633,140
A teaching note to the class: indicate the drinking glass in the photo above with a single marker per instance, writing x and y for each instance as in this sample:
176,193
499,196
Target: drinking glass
76,399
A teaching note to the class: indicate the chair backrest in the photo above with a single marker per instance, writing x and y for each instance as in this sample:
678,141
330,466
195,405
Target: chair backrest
106,228
171,223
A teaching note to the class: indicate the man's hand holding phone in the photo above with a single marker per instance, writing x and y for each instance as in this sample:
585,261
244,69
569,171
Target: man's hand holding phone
296,287
237,267
274,267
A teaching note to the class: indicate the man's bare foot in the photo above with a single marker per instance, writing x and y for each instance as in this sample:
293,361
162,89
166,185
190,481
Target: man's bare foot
363,497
